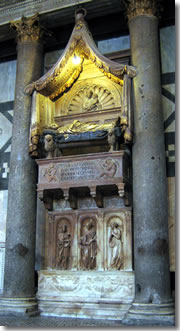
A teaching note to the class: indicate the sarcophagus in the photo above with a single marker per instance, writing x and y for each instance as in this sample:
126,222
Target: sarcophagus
100,174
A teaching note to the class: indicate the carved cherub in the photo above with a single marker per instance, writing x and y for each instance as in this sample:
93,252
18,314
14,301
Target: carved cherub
109,168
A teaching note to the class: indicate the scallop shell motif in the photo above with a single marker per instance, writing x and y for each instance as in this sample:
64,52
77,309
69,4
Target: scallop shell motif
91,98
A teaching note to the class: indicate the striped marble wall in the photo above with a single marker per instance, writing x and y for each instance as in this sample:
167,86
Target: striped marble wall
168,51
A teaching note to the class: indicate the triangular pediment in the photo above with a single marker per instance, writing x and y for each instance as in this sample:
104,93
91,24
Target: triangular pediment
69,66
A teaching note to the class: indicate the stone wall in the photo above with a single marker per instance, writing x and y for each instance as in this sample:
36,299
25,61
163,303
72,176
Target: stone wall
7,88
168,49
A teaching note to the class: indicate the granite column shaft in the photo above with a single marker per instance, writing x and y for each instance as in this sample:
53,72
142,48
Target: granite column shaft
151,250
21,214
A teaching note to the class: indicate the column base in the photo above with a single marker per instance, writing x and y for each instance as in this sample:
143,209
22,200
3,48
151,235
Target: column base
150,314
18,306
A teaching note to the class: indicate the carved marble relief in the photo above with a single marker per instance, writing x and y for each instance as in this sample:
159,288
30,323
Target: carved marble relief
84,171
109,168
115,243
50,173
88,244
91,284
90,240
63,244
91,98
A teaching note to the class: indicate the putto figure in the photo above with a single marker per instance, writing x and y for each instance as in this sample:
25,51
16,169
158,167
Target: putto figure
116,246
88,243
109,168
64,247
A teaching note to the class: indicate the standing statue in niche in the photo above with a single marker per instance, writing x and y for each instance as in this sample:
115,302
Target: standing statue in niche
116,246
64,246
91,101
50,147
88,245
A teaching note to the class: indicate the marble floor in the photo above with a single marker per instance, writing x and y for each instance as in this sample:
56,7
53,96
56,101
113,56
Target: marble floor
55,322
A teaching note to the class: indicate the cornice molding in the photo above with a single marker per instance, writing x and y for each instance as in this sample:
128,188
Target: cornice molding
29,7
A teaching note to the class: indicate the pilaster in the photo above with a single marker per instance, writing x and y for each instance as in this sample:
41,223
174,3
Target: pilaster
19,287
151,254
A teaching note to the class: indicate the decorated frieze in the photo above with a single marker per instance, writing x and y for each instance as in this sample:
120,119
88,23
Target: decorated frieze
100,169
87,285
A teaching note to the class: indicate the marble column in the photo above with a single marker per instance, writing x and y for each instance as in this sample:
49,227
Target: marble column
19,277
152,300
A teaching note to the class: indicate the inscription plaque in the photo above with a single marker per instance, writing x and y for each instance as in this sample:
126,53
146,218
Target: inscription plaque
77,171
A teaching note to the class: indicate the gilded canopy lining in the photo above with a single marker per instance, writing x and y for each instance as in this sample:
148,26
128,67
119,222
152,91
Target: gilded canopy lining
63,74
60,79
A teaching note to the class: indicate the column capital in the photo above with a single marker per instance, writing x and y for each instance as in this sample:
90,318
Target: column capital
142,7
28,29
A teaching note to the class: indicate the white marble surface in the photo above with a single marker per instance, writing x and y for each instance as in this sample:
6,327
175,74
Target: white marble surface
3,214
101,294
2,263
7,80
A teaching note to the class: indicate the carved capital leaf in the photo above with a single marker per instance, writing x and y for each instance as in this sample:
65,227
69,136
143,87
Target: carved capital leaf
28,28
143,7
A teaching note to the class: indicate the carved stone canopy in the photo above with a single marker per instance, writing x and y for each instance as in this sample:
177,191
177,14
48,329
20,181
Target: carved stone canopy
84,91
67,69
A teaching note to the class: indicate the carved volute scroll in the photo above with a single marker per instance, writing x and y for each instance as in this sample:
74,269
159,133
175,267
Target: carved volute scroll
88,244
115,243
63,244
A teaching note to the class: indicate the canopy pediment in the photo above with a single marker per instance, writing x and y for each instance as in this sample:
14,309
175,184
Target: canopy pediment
67,69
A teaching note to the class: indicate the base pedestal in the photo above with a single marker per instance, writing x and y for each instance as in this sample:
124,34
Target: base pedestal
85,294
18,306
150,314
